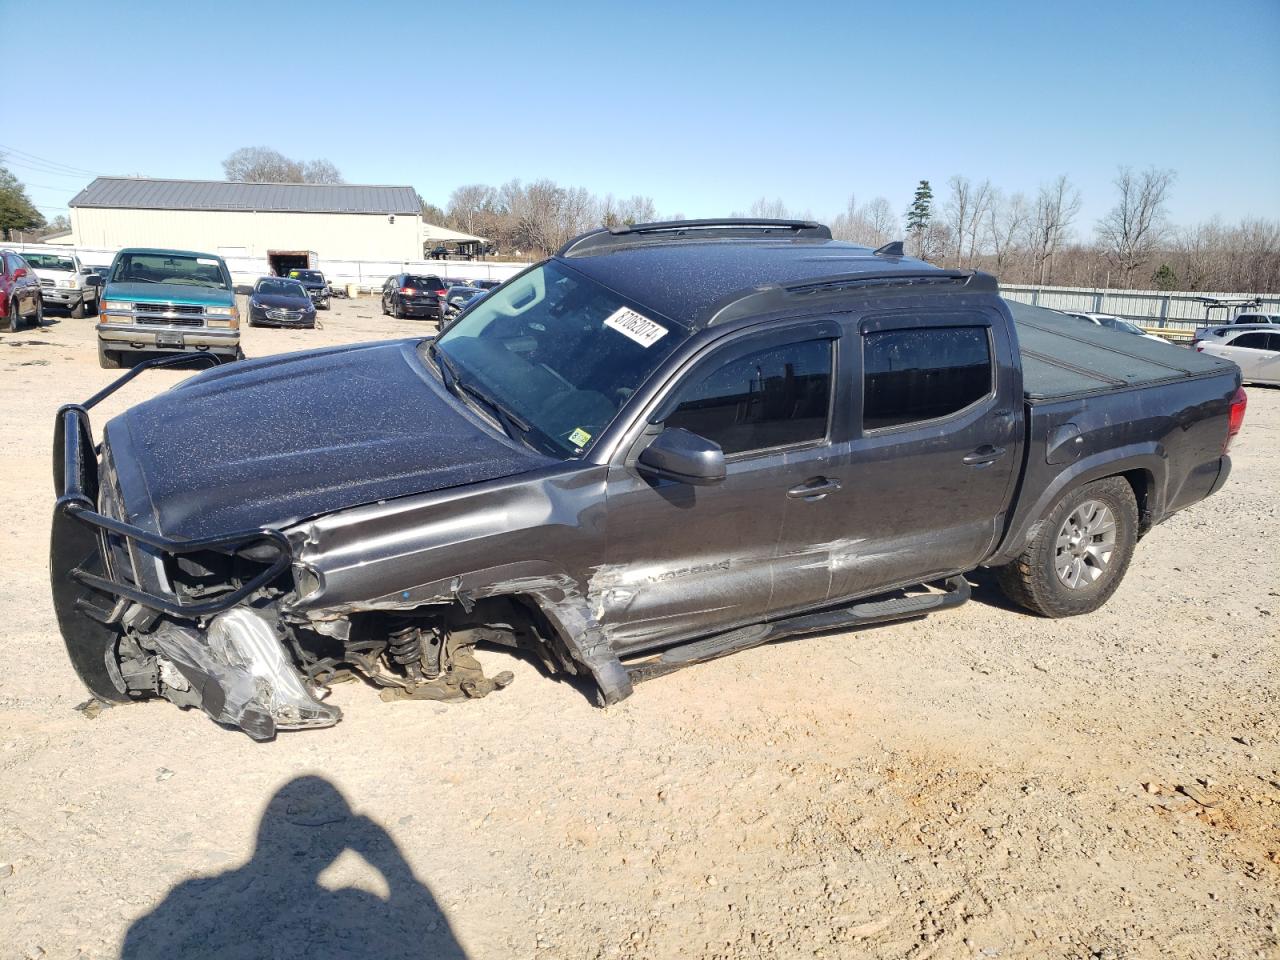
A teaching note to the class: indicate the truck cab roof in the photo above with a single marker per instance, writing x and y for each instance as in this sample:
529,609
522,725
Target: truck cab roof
714,270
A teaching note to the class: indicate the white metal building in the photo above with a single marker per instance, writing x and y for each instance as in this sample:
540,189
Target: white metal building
279,222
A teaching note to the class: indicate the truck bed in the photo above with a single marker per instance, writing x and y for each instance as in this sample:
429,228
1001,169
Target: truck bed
1063,357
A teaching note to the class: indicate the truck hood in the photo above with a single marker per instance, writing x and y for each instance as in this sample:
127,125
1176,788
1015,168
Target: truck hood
168,293
281,300
275,441
55,275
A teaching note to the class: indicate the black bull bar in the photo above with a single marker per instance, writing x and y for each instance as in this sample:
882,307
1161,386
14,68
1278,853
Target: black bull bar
79,554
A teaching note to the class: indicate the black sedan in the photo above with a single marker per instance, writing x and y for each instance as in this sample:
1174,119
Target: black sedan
281,302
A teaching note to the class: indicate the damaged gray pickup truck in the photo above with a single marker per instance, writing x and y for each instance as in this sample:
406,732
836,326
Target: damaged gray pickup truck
667,443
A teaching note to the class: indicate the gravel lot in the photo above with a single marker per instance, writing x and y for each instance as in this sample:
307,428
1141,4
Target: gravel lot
983,783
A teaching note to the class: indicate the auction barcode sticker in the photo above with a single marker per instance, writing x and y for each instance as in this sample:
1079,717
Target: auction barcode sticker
636,326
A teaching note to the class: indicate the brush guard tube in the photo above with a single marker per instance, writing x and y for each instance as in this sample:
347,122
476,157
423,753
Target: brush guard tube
89,596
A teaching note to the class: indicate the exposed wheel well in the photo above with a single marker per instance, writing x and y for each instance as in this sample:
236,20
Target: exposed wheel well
1142,483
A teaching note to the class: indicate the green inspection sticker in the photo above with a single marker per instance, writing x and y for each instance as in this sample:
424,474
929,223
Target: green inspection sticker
579,437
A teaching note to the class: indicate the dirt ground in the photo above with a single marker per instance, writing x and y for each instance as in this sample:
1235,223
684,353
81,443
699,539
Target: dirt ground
979,784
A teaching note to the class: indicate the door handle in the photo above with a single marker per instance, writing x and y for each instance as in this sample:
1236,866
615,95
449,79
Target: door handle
984,454
814,489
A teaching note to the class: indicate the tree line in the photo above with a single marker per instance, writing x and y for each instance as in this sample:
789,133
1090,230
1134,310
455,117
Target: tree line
1021,238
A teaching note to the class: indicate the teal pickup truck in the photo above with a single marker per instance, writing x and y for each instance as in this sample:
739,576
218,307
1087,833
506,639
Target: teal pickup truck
167,301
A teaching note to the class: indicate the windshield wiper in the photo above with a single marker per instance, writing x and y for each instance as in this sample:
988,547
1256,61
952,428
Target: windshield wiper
512,424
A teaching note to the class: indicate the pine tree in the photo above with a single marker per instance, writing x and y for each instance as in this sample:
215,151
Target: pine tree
1165,278
919,216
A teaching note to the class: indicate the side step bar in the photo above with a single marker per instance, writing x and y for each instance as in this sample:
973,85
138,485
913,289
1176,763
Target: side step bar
838,618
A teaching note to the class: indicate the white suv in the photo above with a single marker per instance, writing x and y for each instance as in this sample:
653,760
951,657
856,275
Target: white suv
62,282
1254,348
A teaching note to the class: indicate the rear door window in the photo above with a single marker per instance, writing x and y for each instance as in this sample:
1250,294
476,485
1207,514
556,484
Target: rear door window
921,374
772,398
1251,341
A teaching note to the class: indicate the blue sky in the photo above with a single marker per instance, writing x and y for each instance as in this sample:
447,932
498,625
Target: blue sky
705,107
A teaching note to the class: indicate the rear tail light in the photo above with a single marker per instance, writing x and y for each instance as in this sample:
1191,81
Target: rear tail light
407,291
1236,419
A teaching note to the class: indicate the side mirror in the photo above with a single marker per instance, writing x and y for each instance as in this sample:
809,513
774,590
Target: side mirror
19,273
685,457
93,280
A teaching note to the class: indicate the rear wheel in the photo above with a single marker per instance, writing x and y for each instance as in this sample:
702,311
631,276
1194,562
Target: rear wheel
38,322
108,359
15,316
1080,552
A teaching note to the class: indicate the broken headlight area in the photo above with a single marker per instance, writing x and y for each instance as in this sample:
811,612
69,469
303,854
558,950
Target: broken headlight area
238,672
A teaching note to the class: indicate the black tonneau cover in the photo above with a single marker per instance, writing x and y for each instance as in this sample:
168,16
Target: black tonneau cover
1065,357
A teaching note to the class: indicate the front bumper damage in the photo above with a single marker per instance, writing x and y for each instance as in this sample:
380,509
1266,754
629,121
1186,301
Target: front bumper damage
126,631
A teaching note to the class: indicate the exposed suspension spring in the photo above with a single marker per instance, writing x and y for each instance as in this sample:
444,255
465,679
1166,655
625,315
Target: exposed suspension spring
404,647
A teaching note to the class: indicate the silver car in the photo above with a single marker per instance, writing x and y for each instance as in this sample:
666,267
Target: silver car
1254,348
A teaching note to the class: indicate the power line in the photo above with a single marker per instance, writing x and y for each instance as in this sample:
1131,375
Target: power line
45,171
69,168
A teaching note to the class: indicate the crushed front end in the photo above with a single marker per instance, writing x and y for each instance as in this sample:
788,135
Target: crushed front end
142,614
208,622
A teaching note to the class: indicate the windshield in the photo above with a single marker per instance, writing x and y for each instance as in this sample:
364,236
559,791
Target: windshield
280,288
560,351
426,283
49,261
309,276
193,270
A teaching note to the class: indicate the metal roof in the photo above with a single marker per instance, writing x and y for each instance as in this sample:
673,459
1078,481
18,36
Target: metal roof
135,193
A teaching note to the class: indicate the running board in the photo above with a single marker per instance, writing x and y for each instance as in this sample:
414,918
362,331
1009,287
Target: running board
838,618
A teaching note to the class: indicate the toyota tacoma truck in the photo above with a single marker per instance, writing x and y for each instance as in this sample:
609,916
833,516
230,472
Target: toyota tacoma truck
167,301
664,444
64,282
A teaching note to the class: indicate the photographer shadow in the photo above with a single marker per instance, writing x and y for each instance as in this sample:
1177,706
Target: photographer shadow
274,905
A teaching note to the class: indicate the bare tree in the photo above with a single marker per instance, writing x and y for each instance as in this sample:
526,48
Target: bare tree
873,224
321,171
882,222
264,165
468,205
1136,225
958,211
1056,207
1006,225
769,210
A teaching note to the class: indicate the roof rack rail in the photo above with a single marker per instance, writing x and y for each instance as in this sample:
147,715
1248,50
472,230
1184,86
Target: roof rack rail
729,227
777,297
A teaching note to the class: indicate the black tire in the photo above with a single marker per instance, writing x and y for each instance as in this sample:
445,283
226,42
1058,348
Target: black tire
39,320
15,315
78,311
1034,580
108,359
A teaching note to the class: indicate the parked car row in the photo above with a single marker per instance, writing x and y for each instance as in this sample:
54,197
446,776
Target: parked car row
431,297
31,281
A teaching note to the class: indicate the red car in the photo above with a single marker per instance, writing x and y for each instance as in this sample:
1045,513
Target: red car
19,292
